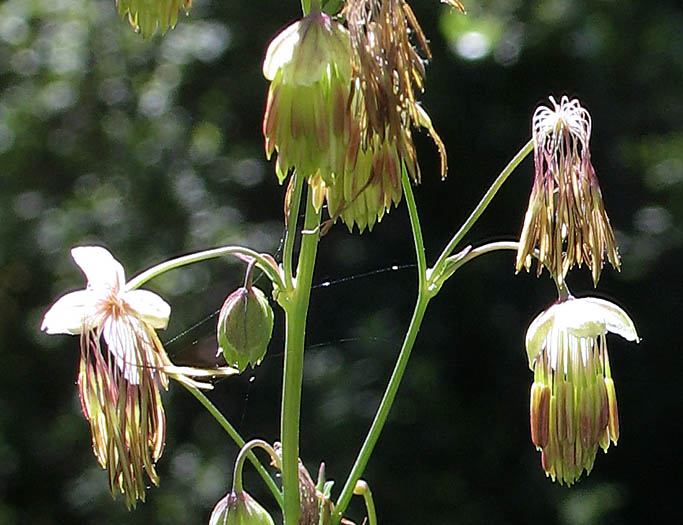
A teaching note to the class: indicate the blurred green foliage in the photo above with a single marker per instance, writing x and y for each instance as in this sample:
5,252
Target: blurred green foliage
153,149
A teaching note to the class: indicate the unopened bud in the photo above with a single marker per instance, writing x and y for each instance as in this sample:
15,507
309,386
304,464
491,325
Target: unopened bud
239,508
245,324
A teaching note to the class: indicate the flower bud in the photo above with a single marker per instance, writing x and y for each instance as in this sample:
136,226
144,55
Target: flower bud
245,324
239,508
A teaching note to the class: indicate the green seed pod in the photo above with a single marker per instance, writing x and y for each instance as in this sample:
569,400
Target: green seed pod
245,324
239,508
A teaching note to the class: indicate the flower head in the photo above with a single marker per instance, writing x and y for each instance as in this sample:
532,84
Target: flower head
119,384
566,219
382,110
573,406
309,67
387,73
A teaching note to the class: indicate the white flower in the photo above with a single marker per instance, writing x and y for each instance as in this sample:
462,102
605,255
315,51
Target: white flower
123,316
119,386
573,407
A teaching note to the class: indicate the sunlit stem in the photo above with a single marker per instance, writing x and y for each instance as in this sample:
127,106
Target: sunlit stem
249,274
562,289
423,297
418,242
486,248
483,204
363,489
192,258
234,435
244,453
292,221
295,305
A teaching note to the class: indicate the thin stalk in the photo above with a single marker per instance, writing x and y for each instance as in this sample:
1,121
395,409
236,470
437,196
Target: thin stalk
363,489
230,430
296,310
486,248
483,204
263,263
292,220
244,453
377,425
416,229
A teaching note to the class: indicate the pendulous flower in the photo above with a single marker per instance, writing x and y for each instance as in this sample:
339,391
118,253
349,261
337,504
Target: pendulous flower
119,382
305,121
566,219
386,75
573,406
342,106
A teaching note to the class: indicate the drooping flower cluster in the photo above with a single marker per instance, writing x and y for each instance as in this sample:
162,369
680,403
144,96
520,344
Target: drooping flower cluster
573,407
566,219
119,384
342,104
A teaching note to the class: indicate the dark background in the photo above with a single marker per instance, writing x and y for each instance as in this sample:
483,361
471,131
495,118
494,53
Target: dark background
153,149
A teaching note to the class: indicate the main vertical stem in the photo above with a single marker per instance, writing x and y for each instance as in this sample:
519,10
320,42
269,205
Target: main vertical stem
296,310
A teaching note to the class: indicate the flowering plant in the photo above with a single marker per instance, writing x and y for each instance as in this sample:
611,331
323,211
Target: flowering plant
340,116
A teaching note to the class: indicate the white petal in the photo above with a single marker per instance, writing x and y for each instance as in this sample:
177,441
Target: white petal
100,268
584,318
121,342
280,50
537,333
615,318
580,317
151,308
70,313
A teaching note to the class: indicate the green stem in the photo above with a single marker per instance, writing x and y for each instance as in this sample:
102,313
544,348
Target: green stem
230,430
416,229
296,309
363,489
486,248
244,453
377,425
264,264
483,204
292,221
